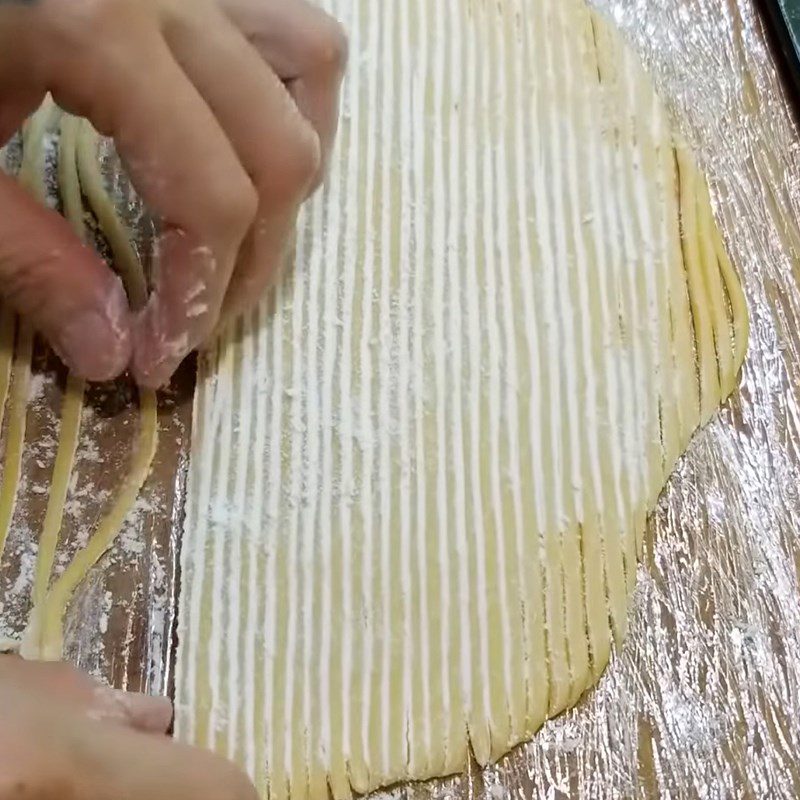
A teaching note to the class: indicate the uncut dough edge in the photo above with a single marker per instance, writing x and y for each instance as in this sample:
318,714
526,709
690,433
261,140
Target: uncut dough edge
697,342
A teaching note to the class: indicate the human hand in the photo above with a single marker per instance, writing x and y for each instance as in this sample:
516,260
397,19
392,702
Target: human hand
224,114
65,736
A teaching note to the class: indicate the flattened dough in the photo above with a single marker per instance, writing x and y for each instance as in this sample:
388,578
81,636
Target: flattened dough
421,472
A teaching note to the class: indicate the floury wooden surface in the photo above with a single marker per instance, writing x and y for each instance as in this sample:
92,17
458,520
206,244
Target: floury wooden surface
120,624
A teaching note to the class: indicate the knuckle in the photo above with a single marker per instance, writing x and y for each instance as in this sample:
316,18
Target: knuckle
89,83
290,177
307,159
100,16
91,51
330,45
235,207
87,23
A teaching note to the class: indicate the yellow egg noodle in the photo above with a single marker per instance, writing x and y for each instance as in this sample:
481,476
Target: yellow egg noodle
79,176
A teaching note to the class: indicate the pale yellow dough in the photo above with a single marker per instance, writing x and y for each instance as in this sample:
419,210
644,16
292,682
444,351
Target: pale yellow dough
31,176
421,471
69,431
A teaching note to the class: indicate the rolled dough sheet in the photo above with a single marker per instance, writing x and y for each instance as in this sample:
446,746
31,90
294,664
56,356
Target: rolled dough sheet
421,471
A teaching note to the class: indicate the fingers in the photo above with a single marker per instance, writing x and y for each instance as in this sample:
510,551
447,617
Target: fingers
139,712
63,683
59,680
213,142
276,145
46,274
51,749
187,172
62,287
126,764
308,50
259,267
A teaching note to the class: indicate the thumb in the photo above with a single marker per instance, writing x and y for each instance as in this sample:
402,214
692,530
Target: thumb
63,288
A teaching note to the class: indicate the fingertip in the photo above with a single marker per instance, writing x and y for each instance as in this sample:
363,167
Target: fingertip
96,342
62,287
182,311
88,352
141,712
153,368
152,714
160,344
